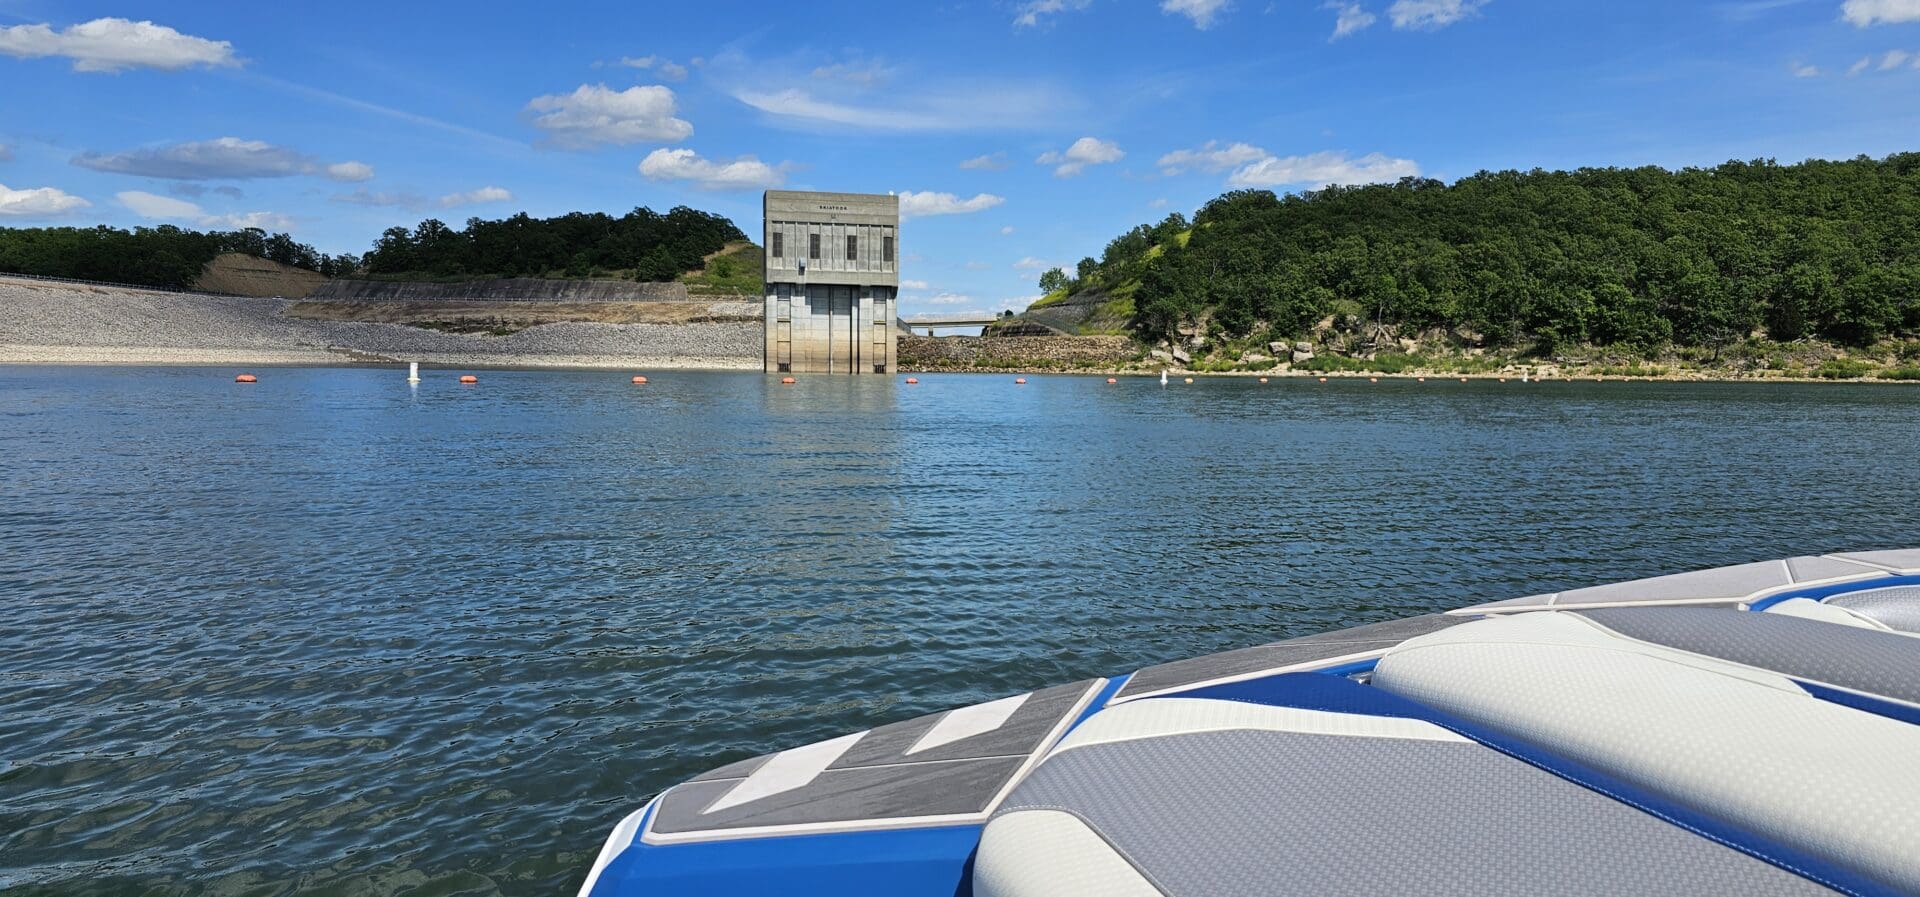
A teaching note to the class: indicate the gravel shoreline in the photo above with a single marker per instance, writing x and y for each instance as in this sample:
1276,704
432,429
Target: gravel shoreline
44,323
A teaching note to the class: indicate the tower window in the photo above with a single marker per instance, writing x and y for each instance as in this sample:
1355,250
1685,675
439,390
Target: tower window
813,246
779,245
886,249
853,246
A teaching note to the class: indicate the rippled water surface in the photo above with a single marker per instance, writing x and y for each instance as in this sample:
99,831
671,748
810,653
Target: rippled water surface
328,634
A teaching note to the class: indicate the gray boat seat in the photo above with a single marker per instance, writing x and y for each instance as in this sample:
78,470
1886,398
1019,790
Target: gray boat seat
1313,784
1799,731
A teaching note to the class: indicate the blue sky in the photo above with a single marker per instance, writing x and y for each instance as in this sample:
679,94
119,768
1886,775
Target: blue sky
1022,133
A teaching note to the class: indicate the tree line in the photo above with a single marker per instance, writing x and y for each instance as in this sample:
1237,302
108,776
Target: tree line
642,244
165,256
1639,258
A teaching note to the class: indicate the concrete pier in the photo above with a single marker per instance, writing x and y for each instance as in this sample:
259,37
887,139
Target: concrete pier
832,283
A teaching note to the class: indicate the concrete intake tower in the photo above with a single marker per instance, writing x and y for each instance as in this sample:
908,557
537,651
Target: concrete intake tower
833,282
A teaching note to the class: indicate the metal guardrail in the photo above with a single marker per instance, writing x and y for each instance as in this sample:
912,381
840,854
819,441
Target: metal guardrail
118,286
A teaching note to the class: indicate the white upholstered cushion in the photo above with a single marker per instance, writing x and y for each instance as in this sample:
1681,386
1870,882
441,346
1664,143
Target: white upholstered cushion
1746,745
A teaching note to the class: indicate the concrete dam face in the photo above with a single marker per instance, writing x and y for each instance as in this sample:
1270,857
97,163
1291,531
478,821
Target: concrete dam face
833,282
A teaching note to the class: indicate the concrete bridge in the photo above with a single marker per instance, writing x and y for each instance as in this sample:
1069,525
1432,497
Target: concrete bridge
930,324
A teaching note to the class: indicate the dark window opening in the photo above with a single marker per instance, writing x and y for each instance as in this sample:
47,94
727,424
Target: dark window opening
779,245
886,249
813,246
879,368
786,367
852,248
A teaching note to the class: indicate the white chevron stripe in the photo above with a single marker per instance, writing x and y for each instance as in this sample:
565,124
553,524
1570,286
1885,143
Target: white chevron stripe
967,722
786,771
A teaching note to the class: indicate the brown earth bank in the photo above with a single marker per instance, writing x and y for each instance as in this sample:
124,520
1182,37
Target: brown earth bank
510,289
239,274
1017,353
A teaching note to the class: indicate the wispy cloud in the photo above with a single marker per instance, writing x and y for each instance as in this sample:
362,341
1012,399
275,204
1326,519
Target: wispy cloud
415,201
1211,156
988,162
928,203
1322,169
222,159
167,208
1431,14
1034,12
1202,12
1350,18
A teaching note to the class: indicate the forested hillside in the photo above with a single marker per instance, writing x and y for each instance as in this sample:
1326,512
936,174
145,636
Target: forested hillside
642,244
1640,258
164,256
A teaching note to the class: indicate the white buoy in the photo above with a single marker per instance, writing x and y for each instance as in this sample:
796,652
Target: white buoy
1163,376
413,372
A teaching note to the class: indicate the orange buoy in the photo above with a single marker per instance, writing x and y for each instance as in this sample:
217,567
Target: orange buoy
788,381
469,378
246,378
640,381
1263,379
1019,380
912,380
1463,379
1503,379
1323,379
1112,380
1373,379
1419,379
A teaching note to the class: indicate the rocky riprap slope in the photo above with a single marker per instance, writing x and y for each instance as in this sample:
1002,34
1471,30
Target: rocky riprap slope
61,322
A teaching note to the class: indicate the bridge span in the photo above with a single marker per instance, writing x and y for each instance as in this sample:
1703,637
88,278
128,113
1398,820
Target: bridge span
930,324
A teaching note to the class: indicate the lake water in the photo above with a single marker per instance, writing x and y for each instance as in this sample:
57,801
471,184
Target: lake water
329,634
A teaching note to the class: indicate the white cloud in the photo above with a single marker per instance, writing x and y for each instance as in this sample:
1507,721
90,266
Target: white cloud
166,208
924,204
112,44
409,200
350,171
1321,169
913,284
1006,231
1210,157
1860,66
472,197
977,266
744,173
665,68
148,205
1806,71
269,221
1031,11
1084,152
1352,18
948,299
1031,264
595,114
224,158
988,162
1863,13
968,108
38,202
1201,12
1893,60
1429,14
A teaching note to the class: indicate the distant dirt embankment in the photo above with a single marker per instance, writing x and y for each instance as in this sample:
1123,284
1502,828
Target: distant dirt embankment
511,289
239,274
503,317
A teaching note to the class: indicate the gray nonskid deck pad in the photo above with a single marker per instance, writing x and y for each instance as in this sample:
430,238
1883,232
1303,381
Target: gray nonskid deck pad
872,780
1282,813
1373,638
1863,660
